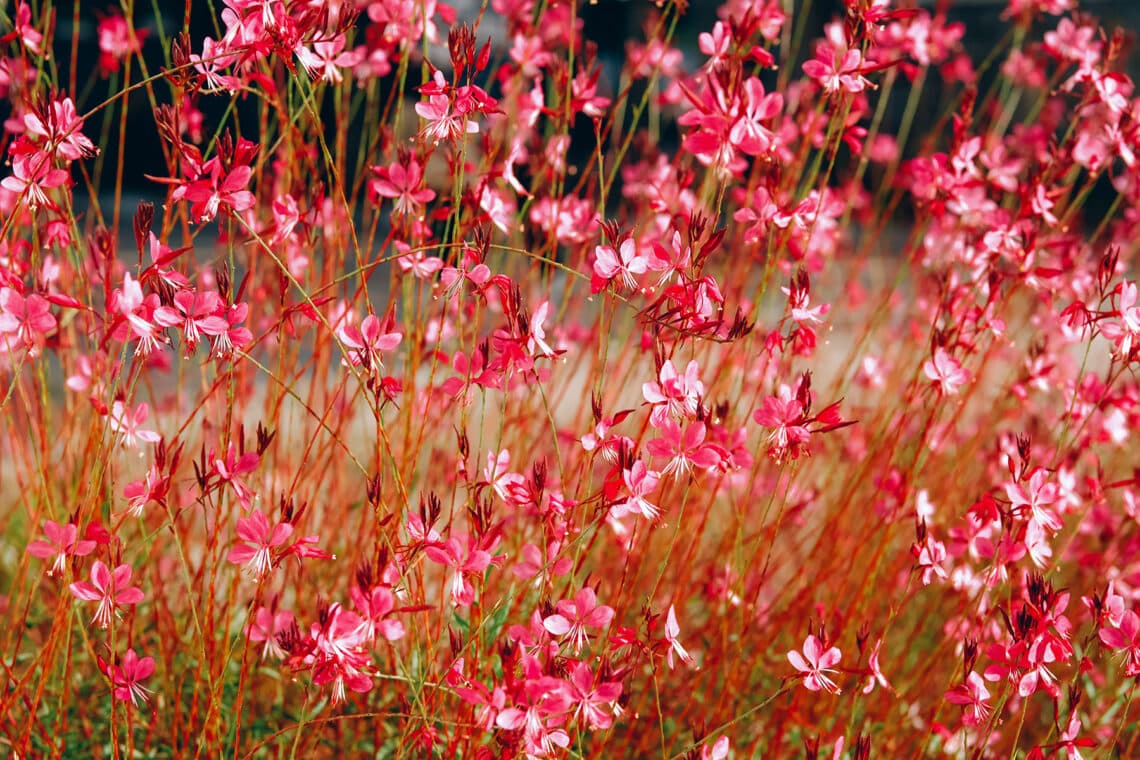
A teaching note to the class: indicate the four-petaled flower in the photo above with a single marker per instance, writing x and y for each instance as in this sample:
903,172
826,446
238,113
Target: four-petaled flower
625,263
110,588
575,615
126,423
126,677
258,539
465,561
972,696
62,541
1125,637
815,663
24,320
945,372
366,344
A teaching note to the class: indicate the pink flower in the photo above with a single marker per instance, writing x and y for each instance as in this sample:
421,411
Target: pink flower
24,29
32,176
375,607
27,320
1035,499
624,262
588,698
233,467
575,615
747,132
815,663
930,556
116,42
418,263
265,626
367,344
126,423
639,481
337,653
784,415
127,675
835,71
137,313
536,342
972,696
257,542
684,448
1125,637
404,185
876,677
442,123
465,561
327,58
234,336
139,493
195,313
62,542
674,394
718,750
61,128
672,631
110,589
215,192
946,373
1124,331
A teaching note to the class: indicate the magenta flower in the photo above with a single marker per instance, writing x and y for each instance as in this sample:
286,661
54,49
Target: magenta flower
588,699
264,628
465,562
195,313
640,482
1125,637
110,589
367,344
27,320
258,540
215,192
127,675
374,607
62,541
815,664
624,262
972,696
575,615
